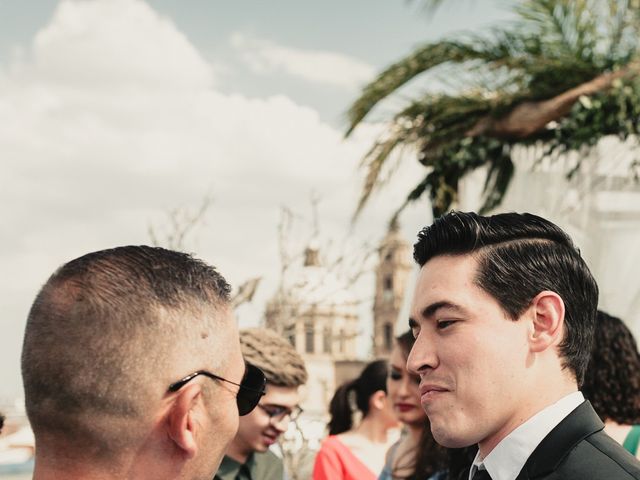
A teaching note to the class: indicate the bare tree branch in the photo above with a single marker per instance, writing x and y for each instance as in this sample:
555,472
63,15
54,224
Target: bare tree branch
182,222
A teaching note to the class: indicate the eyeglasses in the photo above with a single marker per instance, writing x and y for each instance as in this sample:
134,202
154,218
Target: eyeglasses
251,386
279,413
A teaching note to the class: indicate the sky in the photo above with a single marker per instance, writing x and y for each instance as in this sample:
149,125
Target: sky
116,112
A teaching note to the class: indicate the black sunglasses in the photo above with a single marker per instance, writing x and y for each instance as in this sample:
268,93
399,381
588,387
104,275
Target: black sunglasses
251,386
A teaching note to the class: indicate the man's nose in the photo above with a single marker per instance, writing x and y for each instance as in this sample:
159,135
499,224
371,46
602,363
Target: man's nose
281,424
422,356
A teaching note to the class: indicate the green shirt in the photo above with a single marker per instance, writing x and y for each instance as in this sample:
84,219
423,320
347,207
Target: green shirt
259,466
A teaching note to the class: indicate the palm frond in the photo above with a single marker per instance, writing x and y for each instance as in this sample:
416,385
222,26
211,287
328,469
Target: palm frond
374,162
421,60
499,177
415,194
460,158
511,84
569,24
430,124
622,26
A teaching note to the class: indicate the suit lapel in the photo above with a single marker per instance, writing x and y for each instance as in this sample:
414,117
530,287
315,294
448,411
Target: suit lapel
575,427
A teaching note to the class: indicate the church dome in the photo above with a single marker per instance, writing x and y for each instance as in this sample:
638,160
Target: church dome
312,285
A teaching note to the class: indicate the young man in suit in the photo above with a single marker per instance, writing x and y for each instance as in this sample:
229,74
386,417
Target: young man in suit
503,314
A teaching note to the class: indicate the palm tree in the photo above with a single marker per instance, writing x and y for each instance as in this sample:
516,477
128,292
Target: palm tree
563,74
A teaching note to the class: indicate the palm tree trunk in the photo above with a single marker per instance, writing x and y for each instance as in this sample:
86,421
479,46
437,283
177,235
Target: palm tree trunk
530,117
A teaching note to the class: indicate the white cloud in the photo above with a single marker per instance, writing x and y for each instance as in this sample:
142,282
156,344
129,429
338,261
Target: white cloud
120,43
111,119
316,66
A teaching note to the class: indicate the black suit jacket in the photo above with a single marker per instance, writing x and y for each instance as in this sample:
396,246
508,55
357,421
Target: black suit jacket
578,449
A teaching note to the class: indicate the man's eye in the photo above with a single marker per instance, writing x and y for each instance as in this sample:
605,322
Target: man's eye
394,375
442,324
272,411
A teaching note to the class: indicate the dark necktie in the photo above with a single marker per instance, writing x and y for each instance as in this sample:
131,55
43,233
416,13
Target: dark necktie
244,473
481,475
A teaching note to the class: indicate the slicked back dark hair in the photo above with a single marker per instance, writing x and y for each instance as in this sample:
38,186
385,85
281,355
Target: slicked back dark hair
101,328
519,256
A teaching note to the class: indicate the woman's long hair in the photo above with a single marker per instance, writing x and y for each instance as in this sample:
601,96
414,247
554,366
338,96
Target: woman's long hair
372,379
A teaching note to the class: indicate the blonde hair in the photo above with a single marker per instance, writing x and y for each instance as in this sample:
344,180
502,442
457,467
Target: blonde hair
274,355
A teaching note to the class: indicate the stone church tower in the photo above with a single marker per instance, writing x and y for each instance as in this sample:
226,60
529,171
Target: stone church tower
392,274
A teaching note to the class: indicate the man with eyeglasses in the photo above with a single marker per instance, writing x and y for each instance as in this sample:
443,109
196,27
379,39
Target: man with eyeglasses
248,456
132,368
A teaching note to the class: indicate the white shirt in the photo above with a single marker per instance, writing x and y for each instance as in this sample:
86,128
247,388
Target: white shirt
508,457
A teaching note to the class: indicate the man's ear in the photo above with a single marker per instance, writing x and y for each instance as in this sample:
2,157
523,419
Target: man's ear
378,400
547,309
183,418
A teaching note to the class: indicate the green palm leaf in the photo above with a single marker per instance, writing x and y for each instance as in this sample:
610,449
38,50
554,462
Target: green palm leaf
514,80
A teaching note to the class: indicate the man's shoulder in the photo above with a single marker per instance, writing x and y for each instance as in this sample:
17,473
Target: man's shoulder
259,465
228,469
578,449
598,456
268,465
267,457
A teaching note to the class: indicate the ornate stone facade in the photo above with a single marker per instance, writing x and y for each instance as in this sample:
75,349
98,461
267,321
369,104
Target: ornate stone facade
316,312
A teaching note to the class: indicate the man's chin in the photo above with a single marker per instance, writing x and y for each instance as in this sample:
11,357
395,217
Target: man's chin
449,439
266,441
261,447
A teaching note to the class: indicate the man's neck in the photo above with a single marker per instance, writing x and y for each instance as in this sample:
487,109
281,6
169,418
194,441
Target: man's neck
238,452
46,472
55,464
550,383
508,458
524,415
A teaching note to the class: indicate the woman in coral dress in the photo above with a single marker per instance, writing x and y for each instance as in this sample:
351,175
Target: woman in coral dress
358,453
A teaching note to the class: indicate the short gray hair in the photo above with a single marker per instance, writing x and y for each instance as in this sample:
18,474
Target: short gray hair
101,326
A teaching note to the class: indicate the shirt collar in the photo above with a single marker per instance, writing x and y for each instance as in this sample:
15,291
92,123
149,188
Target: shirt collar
229,468
508,457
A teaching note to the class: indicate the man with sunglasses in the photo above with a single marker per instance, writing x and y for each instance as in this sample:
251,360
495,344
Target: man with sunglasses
132,368
248,456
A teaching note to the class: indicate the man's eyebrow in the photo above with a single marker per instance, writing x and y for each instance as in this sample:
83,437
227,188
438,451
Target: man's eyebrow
430,310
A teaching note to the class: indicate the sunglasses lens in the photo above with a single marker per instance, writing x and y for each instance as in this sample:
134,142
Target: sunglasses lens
251,389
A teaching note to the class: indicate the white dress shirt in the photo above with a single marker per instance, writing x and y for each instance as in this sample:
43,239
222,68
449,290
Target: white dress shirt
507,458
